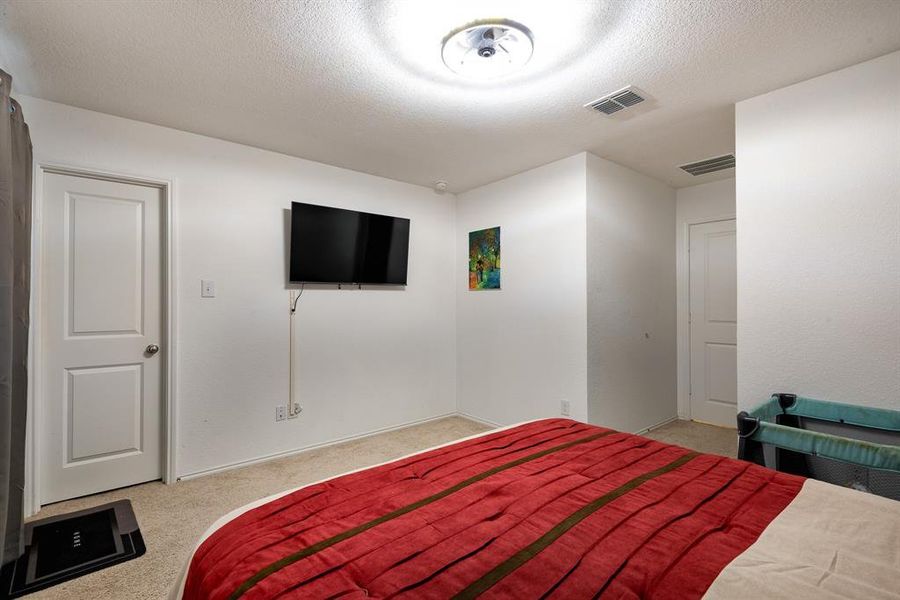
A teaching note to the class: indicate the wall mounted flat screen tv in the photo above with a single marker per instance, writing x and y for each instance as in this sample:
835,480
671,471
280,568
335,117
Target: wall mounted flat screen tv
334,245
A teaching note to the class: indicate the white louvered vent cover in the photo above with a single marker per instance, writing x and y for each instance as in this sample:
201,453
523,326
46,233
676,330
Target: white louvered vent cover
710,165
618,100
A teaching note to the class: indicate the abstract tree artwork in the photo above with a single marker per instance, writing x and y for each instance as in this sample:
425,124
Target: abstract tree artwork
484,259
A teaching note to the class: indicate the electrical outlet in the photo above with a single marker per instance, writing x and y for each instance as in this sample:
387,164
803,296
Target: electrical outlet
280,413
297,411
564,408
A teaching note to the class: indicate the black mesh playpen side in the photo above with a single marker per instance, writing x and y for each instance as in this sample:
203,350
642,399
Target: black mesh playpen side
846,445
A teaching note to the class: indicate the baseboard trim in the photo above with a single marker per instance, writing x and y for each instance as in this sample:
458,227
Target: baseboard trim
478,419
350,438
657,426
334,442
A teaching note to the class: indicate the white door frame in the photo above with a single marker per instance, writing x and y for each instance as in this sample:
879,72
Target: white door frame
683,315
169,309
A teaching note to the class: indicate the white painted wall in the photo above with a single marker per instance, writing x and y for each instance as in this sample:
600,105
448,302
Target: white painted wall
695,204
521,349
588,273
818,209
365,359
630,297
377,358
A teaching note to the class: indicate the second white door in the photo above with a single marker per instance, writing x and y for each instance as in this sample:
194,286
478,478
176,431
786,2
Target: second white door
101,335
713,322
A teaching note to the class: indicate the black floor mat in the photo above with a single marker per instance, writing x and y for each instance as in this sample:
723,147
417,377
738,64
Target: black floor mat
67,546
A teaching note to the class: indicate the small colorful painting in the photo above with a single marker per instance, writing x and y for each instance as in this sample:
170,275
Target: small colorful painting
484,259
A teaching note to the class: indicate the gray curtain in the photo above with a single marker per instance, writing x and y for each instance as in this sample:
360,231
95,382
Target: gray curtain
15,289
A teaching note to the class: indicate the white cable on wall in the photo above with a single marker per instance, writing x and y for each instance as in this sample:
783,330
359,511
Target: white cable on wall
291,412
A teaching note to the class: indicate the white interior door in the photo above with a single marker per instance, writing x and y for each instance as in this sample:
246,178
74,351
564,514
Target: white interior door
101,336
713,320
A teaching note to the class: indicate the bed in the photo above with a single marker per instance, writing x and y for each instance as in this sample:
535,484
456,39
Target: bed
555,509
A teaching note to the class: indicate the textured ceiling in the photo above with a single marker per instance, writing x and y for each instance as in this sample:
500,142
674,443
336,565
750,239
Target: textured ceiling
361,84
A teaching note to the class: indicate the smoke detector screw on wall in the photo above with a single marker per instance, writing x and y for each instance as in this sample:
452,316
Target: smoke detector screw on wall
487,49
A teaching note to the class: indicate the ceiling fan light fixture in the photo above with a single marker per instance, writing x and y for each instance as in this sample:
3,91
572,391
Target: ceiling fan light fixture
487,49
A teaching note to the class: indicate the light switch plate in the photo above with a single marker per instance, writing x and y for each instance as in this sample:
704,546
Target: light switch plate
207,288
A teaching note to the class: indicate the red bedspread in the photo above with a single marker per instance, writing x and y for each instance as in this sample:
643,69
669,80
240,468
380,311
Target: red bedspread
553,508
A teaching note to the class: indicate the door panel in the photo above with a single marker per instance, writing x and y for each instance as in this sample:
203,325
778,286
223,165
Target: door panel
102,308
713,322
104,412
721,277
721,372
105,258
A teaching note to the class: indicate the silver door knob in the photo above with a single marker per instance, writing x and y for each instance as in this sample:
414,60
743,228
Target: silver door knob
152,349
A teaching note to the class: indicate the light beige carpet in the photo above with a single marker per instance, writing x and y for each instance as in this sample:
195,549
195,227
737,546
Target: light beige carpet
698,436
172,518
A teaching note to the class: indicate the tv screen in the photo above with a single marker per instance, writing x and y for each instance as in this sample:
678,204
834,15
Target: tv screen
333,245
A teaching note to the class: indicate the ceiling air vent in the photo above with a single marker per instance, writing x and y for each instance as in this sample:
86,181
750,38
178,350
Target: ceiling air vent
710,165
619,100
